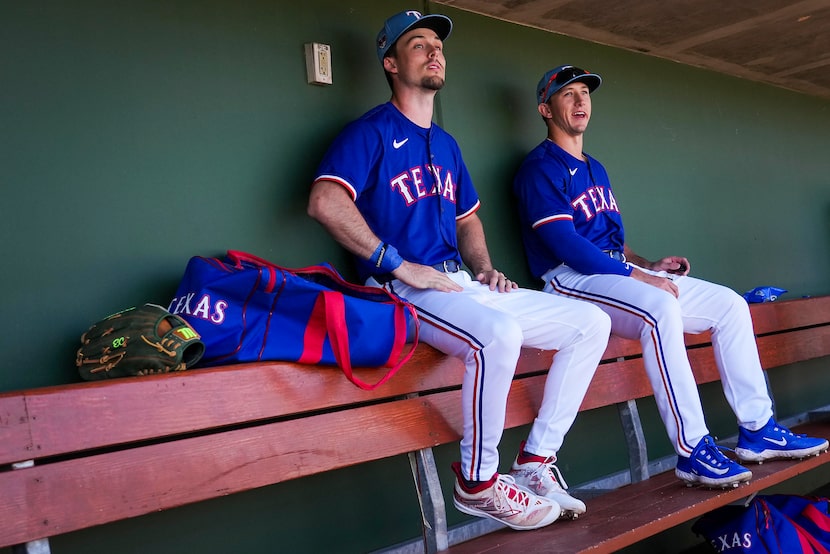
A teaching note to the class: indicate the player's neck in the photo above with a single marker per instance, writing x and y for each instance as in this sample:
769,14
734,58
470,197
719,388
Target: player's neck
417,106
572,144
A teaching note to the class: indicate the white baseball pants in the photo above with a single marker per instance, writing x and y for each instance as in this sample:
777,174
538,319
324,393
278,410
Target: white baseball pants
658,320
487,329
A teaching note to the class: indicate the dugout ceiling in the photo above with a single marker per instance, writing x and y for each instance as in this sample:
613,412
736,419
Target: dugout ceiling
780,42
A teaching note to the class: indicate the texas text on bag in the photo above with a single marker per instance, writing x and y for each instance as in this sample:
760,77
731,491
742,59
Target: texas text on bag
769,524
248,309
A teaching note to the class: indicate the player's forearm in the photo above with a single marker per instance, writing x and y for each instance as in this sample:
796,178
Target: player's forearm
636,259
472,245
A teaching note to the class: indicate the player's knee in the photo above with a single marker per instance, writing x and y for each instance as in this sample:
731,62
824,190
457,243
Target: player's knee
736,301
665,310
733,305
505,334
597,322
665,315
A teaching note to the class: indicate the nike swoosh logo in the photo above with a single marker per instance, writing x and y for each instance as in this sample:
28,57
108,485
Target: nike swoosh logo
396,144
715,470
781,442
572,171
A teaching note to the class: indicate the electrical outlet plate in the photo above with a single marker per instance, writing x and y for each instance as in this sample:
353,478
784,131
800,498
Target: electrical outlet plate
318,63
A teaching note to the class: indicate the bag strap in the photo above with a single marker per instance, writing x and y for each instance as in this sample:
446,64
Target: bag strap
339,337
401,308
807,541
328,318
238,258
817,517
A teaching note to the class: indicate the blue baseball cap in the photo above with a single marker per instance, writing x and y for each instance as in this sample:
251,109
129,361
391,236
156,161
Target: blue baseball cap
400,23
558,77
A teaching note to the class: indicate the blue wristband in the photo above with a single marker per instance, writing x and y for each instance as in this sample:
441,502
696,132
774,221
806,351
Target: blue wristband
373,259
386,258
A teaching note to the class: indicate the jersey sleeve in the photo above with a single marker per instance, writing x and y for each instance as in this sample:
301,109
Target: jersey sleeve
351,157
541,189
578,252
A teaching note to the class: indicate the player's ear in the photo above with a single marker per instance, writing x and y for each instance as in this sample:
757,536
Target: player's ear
544,111
390,64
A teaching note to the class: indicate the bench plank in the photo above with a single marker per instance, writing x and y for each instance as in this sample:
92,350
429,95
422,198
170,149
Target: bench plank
56,420
773,317
143,479
15,432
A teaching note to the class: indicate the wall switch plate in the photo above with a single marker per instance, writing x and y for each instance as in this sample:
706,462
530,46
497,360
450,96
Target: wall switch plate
318,63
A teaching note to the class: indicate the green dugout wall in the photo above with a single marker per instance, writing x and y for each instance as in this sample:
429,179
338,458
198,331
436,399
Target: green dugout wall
135,135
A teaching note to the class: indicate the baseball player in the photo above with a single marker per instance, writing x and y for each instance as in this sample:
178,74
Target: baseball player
393,189
574,239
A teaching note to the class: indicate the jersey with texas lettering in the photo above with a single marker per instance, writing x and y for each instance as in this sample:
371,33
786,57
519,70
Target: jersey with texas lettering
382,159
568,212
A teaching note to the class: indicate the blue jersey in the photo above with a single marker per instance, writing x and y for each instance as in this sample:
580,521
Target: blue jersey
382,159
568,212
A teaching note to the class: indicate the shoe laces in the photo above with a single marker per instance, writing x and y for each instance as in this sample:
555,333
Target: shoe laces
506,490
713,453
553,472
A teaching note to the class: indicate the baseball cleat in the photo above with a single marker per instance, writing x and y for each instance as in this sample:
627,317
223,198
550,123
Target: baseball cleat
502,500
774,441
539,475
710,467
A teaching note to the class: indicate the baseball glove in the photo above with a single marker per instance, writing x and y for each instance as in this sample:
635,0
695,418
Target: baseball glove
138,341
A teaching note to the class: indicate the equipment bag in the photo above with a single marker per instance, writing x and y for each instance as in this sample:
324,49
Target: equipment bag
248,309
778,523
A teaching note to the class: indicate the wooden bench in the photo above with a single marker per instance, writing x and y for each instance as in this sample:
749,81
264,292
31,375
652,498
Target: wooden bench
75,456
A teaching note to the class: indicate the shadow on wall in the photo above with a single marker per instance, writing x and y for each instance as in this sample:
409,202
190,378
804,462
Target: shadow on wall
517,130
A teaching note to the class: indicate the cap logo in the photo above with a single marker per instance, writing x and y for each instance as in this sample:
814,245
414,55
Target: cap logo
382,42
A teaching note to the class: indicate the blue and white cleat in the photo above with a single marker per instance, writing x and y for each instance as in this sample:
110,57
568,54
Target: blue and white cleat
710,467
774,441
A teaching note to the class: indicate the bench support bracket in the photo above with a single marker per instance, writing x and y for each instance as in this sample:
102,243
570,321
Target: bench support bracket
635,439
431,498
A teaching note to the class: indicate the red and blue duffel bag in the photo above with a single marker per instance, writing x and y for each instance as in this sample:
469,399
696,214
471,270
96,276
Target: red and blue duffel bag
248,309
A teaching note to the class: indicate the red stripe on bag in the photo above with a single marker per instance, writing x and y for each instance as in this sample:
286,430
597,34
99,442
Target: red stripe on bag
809,544
815,515
339,334
400,336
315,333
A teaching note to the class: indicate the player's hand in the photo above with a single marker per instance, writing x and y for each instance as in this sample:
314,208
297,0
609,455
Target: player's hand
656,281
425,277
495,279
676,265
